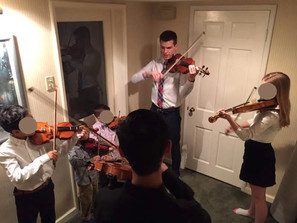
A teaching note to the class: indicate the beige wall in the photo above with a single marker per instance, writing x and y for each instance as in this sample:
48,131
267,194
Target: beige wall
29,21
140,51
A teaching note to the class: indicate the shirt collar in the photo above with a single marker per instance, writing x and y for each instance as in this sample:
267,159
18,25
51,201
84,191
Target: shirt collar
16,140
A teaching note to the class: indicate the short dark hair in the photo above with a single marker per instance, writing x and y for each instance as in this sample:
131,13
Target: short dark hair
99,108
10,117
168,35
143,138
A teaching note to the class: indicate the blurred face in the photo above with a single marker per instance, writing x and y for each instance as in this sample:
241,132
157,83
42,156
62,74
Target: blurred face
19,134
167,49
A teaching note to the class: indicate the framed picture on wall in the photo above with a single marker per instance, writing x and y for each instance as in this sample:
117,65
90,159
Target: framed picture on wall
83,60
11,85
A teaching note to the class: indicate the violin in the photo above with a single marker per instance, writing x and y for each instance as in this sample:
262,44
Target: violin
261,104
114,124
112,169
44,132
74,51
179,63
93,144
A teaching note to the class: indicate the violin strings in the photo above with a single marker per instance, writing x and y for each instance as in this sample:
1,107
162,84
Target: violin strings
65,113
176,61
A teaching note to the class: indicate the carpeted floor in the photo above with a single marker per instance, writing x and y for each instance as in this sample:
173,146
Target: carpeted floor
218,198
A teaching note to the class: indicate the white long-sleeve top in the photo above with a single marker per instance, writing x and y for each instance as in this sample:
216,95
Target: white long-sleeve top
175,88
27,165
108,134
263,127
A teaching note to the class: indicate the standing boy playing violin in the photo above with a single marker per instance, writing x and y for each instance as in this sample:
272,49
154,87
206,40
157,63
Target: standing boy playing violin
87,180
258,168
169,91
29,167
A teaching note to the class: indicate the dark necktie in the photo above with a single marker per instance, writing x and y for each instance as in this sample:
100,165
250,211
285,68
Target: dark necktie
160,87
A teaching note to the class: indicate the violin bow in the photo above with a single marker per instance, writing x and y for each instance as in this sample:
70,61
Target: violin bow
177,60
61,109
55,124
246,102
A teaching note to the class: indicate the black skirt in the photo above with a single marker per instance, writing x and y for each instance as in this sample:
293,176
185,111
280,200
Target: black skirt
258,166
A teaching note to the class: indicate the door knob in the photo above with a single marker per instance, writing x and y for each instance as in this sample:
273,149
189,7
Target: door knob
191,110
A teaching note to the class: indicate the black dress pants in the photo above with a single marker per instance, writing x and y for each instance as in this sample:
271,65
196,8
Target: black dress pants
28,205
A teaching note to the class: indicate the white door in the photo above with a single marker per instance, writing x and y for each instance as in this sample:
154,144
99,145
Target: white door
235,48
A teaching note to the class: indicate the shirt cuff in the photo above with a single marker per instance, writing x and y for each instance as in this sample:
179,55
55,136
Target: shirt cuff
44,158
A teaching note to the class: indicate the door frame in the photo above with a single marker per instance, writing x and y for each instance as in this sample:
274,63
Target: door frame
115,62
115,58
264,62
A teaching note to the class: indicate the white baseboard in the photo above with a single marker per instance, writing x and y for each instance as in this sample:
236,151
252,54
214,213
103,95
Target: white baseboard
67,216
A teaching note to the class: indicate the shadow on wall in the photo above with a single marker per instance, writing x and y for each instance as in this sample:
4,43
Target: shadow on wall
284,206
283,155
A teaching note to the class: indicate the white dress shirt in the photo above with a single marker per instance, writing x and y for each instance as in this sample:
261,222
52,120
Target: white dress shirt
175,88
263,127
27,165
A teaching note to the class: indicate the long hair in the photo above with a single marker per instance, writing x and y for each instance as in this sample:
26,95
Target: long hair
282,83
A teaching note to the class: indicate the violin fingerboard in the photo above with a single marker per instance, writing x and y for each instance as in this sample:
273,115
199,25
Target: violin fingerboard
64,129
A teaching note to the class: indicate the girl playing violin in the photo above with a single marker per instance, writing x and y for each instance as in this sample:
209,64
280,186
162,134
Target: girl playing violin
103,130
29,168
258,168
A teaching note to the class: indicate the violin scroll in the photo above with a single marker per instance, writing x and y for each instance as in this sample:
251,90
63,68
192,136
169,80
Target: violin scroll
203,70
213,119
114,124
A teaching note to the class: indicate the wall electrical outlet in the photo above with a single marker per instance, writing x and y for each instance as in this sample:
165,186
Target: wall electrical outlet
50,83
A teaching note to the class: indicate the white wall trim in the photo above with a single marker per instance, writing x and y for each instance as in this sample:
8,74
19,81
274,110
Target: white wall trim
116,66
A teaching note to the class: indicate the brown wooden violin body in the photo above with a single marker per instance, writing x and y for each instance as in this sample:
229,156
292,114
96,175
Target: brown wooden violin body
45,132
178,63
264,104
120,170
181,66
74,51
114,124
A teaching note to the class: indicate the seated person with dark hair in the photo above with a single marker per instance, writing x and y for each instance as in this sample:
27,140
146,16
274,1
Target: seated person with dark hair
155,193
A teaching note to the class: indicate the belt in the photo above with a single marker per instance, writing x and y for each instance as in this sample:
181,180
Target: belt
17,192
164,110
